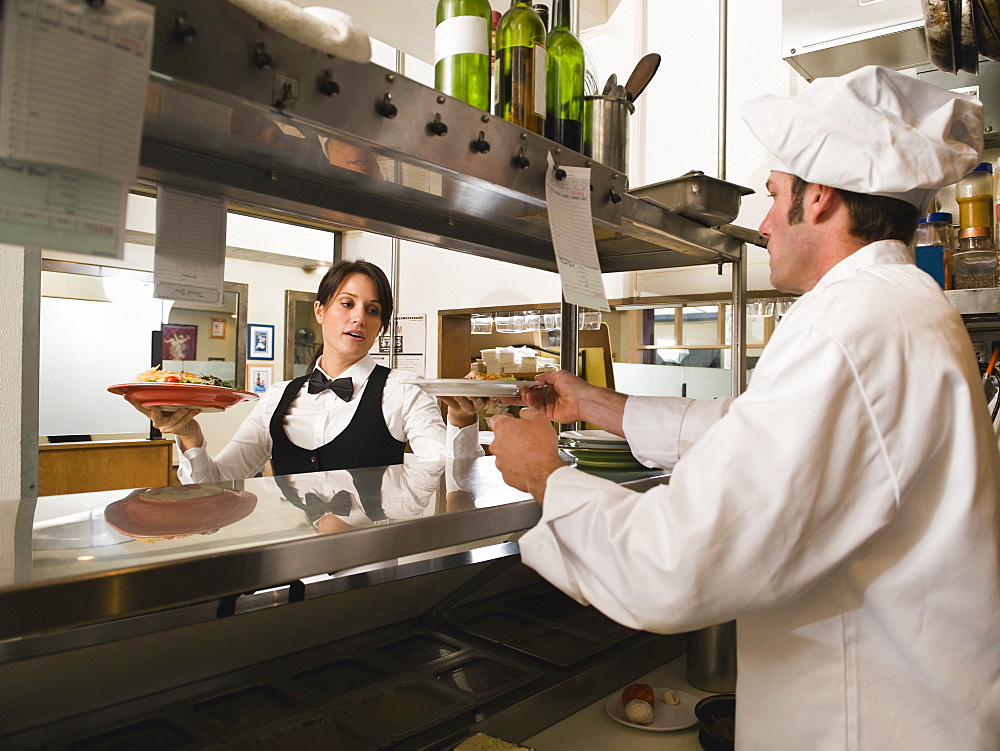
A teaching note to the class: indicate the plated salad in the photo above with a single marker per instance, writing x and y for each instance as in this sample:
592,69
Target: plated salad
155,375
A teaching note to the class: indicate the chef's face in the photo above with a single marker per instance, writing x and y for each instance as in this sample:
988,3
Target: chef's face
351,320
789,239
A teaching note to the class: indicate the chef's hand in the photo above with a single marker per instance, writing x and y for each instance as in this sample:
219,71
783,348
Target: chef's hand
180,423
464,411
526,448
567,398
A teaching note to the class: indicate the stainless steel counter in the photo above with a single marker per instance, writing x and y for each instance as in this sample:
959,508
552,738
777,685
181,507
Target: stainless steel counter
70,567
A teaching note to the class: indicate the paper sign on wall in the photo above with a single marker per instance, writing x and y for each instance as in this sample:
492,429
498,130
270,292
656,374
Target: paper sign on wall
72,87
572,228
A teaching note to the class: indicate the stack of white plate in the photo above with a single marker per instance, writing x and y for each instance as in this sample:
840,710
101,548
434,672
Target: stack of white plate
598,448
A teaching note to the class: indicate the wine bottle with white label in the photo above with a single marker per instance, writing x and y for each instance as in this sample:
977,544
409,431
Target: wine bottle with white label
521,67
564,88
462,50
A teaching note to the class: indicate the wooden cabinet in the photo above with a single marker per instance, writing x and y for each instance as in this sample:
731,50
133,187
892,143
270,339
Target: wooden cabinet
103,465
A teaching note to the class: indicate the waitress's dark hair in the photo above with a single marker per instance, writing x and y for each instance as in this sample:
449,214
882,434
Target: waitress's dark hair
335,277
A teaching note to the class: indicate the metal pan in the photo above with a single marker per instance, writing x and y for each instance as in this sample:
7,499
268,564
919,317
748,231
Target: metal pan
988,28
940,34
967,49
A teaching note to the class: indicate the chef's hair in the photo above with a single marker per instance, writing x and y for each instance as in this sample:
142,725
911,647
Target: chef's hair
334,279
873,218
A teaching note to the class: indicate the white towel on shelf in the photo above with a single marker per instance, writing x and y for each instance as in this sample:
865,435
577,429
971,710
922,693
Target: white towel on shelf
324,29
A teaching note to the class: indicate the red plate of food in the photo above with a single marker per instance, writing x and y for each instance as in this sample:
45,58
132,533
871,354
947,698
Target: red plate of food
152,514
181,390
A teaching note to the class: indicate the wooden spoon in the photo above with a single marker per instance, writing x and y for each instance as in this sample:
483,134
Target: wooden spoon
641,76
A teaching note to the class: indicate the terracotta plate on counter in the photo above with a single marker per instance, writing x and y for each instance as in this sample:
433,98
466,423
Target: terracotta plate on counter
177,511
173,396
665,716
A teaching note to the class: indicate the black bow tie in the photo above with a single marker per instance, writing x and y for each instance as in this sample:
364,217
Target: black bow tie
342,387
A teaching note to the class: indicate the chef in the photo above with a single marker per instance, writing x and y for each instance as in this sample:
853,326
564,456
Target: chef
844,509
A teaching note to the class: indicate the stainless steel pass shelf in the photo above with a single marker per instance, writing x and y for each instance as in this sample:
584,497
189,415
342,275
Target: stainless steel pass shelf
242,111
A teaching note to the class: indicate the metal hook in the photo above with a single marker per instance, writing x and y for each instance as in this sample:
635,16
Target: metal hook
560,173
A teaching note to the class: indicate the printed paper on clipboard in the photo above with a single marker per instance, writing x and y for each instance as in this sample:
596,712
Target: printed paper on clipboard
572,226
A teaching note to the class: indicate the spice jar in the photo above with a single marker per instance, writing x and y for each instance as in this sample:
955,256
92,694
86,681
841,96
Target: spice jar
974,264
934,246
974,194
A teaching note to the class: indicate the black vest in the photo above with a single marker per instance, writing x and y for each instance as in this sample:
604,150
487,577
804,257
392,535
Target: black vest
365,442
368,483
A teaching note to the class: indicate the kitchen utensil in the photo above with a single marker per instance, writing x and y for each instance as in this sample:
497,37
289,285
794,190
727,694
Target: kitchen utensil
696,196
605,129
641,75
940,33
610,85
987,15
967,58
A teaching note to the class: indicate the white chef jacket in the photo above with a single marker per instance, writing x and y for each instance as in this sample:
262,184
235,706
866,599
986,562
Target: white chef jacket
844,510
313,420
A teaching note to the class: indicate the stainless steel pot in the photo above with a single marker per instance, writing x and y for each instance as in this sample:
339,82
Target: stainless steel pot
605,129
711,658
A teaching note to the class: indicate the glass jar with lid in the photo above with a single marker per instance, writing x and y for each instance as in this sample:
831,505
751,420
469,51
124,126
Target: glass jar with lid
935,243
974,194
974,264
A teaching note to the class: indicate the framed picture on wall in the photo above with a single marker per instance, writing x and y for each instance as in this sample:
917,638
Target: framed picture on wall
180,341
259,378
260,341
218,328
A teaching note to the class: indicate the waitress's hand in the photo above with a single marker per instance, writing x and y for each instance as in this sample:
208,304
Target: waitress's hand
180,423
464,410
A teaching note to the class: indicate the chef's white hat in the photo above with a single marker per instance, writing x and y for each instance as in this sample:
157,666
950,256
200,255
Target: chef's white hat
872,131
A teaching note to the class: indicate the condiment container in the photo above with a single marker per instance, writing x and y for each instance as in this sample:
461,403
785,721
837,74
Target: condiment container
974,264
974,194
935,243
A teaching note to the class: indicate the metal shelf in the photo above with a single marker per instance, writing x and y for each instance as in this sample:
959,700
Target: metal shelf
217,123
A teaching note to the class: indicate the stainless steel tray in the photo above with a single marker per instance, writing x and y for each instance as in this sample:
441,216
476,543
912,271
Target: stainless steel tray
696,196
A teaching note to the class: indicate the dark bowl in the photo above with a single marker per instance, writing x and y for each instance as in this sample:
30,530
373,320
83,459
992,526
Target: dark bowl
717,715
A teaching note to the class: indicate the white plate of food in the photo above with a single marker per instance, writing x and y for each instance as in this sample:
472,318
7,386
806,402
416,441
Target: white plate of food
471,387
665,716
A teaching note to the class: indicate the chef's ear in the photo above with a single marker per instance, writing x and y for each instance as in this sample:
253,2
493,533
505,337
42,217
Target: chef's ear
318,312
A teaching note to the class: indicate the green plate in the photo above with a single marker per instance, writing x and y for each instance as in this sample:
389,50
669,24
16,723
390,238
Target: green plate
618,458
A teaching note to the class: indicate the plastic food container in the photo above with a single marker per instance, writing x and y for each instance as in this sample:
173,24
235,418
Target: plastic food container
342,676
593,621
405,705
314,731
483,677
161,732
419,649
236,712
495,625
551,605
558,644
696,196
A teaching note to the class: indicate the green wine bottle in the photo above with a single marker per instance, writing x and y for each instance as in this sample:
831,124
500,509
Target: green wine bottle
521,67
462,51
564,81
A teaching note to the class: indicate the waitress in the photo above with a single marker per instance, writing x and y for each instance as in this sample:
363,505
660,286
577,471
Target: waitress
348,412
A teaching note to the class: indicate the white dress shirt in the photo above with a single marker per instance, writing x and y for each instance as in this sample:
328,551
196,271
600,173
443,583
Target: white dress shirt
313,420
844,510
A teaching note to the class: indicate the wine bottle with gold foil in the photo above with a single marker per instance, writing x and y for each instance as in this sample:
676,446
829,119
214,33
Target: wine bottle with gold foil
462,50
564,84
521,67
